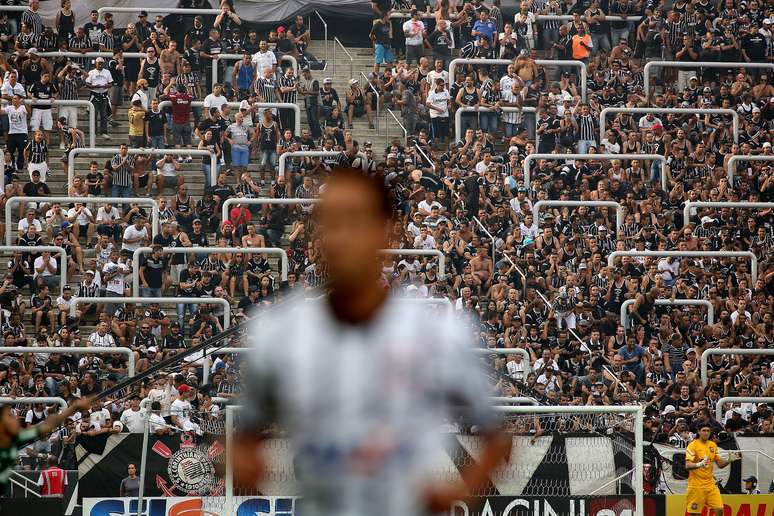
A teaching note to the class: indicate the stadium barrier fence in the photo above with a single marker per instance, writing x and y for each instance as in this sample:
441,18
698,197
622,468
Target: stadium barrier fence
78,350
677,111
689,205
85,200
160,300
690,254
726,351
595,157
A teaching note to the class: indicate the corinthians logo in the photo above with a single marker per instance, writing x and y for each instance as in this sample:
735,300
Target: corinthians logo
191,469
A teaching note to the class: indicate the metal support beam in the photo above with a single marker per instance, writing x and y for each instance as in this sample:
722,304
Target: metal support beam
619,216
76,103
726,351
689,205
506,109
738,399
160,300
692,254
107,151
583,72
732,161
48,400
85,200
595,157
507,351
698,64
272,105
677,111
669,302
262,201
87,350
421,252
54,249
277,251
237,57
282,162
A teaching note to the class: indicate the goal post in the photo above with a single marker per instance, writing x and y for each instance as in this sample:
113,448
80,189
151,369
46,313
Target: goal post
593,433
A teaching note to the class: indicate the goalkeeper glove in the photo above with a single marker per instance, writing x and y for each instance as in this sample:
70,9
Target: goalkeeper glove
734,456
702,463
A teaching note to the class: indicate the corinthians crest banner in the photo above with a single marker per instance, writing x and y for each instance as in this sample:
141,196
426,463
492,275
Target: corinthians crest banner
177,465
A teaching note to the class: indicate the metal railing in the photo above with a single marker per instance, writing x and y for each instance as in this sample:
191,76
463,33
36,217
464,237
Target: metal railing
206,250
505,400
137,300
325,35
39,249
278,105
596,157
281,162
508,351
540,62
237,57
90,54
146,402
67,103
646,71
421,252
106,151
402,128
669,302
739,399
31,400
721,204
351,59
507,109
85,200
491,237
725,351
375,92
677,111
619,215
261,201
87,350
691,254
157,9
731,169
427,158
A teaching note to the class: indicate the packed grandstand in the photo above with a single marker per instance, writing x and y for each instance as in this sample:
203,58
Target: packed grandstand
189,139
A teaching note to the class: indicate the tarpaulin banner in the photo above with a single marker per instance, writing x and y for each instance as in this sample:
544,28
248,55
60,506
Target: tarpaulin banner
176,465
613,505
733,505
178,506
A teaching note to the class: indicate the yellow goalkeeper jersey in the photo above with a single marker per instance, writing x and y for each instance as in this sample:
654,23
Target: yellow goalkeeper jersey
696,451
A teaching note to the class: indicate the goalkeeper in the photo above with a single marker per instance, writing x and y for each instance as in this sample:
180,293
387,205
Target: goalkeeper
700,457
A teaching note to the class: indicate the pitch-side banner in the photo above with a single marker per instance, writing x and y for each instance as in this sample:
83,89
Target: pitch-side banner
285,506
733,505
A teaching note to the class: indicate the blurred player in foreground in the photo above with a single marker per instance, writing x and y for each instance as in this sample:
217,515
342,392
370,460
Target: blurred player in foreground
362,381
700,456
13,437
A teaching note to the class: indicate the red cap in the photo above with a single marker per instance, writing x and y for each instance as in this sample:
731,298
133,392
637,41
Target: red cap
280,29
184,388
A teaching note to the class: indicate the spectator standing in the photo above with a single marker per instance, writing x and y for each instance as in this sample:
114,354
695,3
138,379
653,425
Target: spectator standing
52,480
99,80
130,486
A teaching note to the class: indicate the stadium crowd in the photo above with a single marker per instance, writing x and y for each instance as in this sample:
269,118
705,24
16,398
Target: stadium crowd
542,284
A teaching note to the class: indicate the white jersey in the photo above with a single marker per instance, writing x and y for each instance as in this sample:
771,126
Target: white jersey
364,404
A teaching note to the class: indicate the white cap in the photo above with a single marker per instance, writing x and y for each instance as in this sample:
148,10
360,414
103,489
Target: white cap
668,410
353,81
244,105
707,219
327,80
766,145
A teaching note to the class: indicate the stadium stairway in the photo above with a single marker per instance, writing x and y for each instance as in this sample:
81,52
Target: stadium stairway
57,180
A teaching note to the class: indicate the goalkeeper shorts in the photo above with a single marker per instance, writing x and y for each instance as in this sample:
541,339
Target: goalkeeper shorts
696,498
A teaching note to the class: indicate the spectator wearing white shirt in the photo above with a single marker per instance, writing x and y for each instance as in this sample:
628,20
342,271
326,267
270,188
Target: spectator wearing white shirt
180,411
46,270
216,99
263,59
135,235
141,94
133,418
101,338
99,80
425,240
81,217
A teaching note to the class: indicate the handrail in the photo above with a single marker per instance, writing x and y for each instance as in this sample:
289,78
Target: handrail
260,201
500,400
721,204
402,127
237,57
205,250
147,300
427,158
731,170
691,254
85,200
670,302
421,252
507,351
678,111
336,41
215,399
619,215
376,92
135,55
506,109
106,151
596,157
540,62
89,107
79,350
726,351
39,249
491,237
325,28
739,399
17,479
303,154
697,64
278,105
49,400
157,9
538,17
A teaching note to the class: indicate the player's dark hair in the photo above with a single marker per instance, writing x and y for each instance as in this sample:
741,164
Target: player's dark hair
375,182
